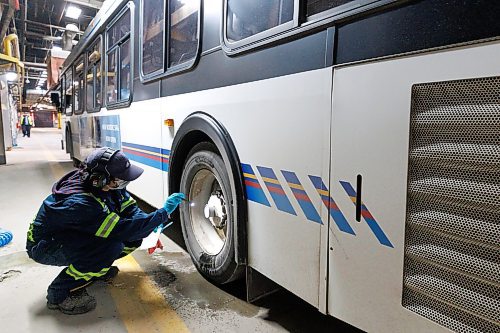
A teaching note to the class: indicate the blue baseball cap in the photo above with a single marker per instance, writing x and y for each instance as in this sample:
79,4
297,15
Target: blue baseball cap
118,165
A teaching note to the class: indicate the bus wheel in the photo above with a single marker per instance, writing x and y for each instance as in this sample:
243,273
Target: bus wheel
207,218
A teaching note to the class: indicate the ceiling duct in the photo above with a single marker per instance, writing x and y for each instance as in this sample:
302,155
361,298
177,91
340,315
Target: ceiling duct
68,36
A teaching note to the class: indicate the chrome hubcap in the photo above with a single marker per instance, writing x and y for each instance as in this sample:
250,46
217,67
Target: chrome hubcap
208,212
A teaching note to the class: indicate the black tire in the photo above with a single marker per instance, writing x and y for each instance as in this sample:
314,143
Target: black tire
203,176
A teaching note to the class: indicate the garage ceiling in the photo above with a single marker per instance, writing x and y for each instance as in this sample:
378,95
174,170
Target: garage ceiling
40,25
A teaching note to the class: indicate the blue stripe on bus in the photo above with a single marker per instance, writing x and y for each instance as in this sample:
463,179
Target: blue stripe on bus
147,161
137,146
301,196
152,156
332,206
276,191
367,216
252,186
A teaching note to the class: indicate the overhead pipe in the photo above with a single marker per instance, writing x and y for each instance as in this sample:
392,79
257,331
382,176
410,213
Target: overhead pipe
35,64
42,36
33,77
41,69
7,17
68,36
51,26
11,46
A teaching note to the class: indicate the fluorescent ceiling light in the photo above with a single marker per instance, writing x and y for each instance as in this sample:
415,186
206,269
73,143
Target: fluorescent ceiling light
73,12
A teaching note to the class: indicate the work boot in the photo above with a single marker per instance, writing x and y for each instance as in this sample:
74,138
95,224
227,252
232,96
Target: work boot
110,274
77,302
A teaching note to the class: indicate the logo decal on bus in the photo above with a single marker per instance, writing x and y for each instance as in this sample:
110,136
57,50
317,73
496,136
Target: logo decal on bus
367,216
255,192
302,198
277,193
332,206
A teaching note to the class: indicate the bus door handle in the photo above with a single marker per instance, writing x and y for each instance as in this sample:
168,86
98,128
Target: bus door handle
359,203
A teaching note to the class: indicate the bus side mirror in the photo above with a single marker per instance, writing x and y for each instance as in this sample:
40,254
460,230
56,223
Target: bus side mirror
54,97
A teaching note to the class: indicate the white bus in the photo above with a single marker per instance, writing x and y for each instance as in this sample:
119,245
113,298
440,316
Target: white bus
348,151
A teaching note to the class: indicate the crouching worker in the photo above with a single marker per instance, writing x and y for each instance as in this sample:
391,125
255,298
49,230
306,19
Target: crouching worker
87,223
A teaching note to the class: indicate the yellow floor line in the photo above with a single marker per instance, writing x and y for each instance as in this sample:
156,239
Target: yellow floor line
140,304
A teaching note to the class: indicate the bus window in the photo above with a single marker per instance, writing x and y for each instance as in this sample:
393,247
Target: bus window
125,78
153,38
111,93
98,91
97,85
183,31
93,77
62,83
246,18
118,73
78,86
68,92
318,6
120,29
90,88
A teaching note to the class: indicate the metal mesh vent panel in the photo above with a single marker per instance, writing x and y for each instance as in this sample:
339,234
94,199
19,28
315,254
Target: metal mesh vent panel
452,248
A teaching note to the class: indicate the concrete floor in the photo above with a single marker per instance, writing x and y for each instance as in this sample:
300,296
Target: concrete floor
161,292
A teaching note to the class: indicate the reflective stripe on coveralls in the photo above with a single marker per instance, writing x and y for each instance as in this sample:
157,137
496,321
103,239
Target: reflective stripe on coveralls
107,225
98,200
76,274
126,204
30,233
128,250
109,222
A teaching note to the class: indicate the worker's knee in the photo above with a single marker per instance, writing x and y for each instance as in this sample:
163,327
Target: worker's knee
47,253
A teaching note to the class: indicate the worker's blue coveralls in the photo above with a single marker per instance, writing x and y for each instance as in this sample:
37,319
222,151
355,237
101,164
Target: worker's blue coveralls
86,229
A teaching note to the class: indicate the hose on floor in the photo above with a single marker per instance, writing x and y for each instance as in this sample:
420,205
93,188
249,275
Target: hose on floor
5,237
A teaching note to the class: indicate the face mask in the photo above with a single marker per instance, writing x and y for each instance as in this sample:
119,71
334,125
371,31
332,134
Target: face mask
120,184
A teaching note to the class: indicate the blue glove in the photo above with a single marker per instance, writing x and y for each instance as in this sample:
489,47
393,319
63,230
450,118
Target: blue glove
173,201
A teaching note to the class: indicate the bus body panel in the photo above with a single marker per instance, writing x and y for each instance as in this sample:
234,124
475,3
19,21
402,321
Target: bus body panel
280,239
141,132
370,133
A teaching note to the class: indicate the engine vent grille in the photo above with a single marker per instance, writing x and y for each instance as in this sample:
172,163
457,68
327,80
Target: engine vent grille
452,245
